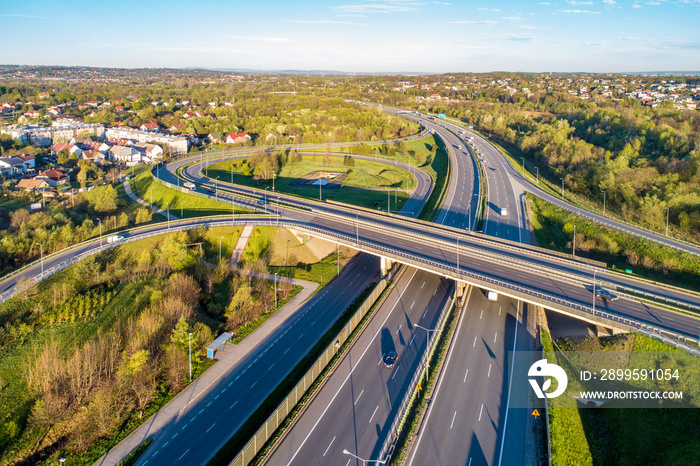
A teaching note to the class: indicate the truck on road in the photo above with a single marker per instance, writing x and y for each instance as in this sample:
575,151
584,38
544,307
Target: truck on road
189,185
114,238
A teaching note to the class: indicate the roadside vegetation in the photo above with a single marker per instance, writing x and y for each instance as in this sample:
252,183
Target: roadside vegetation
554,228
91,352
611,436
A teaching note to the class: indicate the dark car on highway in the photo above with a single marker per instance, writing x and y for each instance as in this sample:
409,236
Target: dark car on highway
605,294
390,359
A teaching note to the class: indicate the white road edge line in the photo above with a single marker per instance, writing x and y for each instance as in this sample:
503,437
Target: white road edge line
510,386
440,379
351,370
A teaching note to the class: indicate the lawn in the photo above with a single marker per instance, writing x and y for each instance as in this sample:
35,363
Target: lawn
366,185
180,203
624,436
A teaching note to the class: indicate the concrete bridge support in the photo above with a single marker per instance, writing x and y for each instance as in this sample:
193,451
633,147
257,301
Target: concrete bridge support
461,290
386,265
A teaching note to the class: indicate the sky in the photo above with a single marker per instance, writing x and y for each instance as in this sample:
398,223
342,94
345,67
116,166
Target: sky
367,36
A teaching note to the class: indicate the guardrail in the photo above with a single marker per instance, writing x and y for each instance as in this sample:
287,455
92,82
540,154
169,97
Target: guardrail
400,418
258,440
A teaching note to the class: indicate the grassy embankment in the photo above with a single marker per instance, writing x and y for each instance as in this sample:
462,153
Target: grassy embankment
621,251
143,185
613,436
98,298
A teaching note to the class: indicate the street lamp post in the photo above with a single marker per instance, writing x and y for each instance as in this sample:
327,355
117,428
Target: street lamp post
190,345
427,342
594,272
275,291
603,203
220,249
562,188
42,258
538,175
167,213
523,172
151,191
100,220
364,461
457,255
388,201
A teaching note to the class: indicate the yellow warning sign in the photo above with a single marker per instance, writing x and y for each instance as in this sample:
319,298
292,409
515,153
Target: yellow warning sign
419,387
536,413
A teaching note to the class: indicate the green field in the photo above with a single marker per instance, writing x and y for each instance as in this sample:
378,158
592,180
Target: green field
143,185
612,436
367,183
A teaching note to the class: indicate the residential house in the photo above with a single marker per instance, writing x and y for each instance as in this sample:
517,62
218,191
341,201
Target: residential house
125,154
154,151
98,146
28,161
189,115
32,184
176,128
149,127
71,148
54,177
80,140
237,138
11,166
215,138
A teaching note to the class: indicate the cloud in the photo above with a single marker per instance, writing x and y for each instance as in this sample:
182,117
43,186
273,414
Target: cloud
258,39
580,12
22,16
544,3
636,5
574,3
324,21
610,2
653,3
388,6
520,37
489,9
469,22
514,18
527,27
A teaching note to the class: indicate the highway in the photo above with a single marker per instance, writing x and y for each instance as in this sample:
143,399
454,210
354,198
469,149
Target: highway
356,407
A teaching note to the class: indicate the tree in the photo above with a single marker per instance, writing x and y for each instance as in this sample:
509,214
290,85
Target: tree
143,215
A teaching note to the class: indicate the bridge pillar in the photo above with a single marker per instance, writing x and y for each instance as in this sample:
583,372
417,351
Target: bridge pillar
386,265
461,290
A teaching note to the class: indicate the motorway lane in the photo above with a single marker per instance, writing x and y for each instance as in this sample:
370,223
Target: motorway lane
207,424
356,407
465,420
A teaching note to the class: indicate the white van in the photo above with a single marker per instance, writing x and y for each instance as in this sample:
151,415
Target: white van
504,212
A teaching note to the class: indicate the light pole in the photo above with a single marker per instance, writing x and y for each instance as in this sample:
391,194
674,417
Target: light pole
538,175
523,171
231,173
457,255
573,245
100,220
337,258
427,342
275,291
167,213
220,249
233,209
562,188
594,272
320,189
357,228
667,221
388,201
42,258
364,461
603,203
151,191
469,216
274,175
190,344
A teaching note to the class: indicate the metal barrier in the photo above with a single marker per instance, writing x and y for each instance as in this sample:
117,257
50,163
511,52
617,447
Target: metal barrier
258,440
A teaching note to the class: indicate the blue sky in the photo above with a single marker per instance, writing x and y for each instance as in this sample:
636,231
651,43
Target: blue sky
360,35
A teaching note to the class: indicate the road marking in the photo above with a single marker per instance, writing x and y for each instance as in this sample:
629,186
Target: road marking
188,450
183,427
465,376
201,411
270,368
358,398
494,337
421,287
212,426
375,412
166,443
254,384
399,329
286,351
209,403
453,419
224,390
395,371
229,384
510,384
481,315
499,310
238,377
351,371
414,303
426,311
329,446
474,345
481,410
300,336
217,396
489,374
434,292
346,464
470,461
412,338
